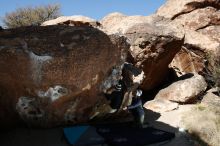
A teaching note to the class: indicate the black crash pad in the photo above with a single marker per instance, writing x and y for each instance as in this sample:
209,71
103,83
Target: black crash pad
114,135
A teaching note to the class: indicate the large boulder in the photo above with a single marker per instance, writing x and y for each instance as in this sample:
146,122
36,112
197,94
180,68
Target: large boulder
55,75
161,105
184,91
201,20
154,42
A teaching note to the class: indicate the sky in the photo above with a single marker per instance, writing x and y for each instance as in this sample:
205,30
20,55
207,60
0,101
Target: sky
95,9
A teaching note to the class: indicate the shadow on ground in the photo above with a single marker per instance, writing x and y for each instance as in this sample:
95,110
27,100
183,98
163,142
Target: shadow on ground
54,137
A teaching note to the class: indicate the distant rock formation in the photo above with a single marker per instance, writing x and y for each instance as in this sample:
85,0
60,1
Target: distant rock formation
76,20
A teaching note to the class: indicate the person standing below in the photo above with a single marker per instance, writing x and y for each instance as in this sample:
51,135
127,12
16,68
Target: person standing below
137,109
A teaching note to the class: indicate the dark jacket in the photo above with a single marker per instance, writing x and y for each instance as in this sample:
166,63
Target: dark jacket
136,102
136,107
116,97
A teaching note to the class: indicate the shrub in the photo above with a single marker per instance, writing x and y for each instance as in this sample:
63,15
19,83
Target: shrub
31,16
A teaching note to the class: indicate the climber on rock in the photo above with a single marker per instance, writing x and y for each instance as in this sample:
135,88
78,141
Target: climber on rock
121,94
116,96
132,77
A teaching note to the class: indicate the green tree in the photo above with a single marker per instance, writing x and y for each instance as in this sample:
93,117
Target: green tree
31,15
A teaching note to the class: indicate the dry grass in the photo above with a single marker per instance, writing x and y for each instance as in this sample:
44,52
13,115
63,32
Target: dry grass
203,123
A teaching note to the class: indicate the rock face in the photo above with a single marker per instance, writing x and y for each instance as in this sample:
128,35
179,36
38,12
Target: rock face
161,105
154,42
54,75
186,61
120,23
212,97
197,40
212,31
76,20
201,20
175,8
183,91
